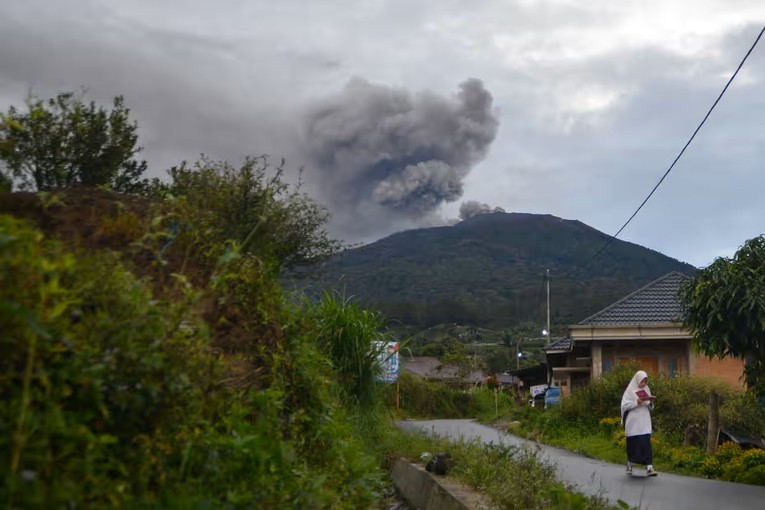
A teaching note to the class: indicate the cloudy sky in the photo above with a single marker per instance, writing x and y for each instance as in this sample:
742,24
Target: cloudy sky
404,112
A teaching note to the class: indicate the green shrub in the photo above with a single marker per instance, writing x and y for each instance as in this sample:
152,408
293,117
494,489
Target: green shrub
600,399
93,363
728,451
711,467
741,465
430,399
113,399
681,407
689,457
682,403
252,207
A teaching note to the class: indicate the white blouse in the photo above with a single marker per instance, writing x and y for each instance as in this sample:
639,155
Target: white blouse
638,420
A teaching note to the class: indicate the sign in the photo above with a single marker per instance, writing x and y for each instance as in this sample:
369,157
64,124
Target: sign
537,389
388,359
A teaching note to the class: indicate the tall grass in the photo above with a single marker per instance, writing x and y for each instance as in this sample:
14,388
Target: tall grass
352,339
512,478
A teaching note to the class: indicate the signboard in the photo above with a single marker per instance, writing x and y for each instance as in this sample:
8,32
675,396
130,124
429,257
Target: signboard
537,389
388,359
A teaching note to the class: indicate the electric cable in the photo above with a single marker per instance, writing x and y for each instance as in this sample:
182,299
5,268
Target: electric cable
613,237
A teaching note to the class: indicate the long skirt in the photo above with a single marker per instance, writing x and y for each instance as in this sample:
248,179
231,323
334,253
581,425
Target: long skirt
639,449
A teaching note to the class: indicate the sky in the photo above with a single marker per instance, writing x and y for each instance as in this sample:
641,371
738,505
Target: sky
406,113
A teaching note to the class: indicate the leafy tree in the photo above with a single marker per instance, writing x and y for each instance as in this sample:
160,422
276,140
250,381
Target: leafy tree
724,309
252,207
62,142
456,355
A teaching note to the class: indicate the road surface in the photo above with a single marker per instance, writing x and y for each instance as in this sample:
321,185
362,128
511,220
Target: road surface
594,477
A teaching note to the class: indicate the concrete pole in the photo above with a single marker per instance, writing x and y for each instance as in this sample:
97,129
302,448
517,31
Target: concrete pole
549,331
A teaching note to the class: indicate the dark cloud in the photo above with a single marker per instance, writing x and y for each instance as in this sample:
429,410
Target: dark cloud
595,103
381,153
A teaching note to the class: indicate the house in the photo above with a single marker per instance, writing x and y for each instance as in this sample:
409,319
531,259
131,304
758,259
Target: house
430,368
643,327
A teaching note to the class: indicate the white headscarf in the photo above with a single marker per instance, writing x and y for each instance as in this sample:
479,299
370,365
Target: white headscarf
629,399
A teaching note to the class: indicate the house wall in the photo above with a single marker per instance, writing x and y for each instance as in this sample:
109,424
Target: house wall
655,356
581,359
729,370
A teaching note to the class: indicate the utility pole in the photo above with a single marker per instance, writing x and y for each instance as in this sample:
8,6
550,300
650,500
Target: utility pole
518,353
547,279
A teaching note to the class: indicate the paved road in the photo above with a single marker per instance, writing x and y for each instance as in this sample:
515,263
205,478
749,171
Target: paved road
664,492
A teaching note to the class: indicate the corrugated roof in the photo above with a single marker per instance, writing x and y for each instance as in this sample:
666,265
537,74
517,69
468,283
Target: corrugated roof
656,303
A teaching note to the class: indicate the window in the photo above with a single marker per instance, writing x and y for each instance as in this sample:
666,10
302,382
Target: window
607,366
672,367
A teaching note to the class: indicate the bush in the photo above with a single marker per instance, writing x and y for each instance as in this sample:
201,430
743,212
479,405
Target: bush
251,207
112,397
681,408
745,466
420,398
689,457
682,403
600,399
93,363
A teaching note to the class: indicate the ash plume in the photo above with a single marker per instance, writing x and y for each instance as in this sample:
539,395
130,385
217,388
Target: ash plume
384,158
472,208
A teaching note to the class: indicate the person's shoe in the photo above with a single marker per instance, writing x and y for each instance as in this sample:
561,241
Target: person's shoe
650,471
629,469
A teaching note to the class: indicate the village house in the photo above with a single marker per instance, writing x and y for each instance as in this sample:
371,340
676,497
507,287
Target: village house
643,327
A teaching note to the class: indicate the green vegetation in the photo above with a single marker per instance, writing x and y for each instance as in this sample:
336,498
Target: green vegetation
588,422
513,478
63,142
724,308
154,361
250,206
472,347
488,271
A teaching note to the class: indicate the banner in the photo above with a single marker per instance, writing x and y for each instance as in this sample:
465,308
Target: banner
388,359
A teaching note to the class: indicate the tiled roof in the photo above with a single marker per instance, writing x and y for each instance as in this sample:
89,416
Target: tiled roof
656,303
561,344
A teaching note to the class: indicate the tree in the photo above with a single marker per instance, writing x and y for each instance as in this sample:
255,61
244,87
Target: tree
254,207
724,309
62,142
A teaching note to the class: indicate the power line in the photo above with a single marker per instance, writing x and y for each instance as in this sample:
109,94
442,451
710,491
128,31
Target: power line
613,237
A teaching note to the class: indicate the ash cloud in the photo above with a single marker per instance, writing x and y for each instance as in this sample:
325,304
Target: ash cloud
383,157
472,208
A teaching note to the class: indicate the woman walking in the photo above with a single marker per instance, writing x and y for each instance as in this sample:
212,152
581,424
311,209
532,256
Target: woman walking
637,405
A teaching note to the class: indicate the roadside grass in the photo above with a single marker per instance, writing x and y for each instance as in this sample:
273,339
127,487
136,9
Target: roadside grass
513,478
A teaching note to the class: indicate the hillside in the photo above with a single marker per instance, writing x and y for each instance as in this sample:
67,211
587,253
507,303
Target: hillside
488,271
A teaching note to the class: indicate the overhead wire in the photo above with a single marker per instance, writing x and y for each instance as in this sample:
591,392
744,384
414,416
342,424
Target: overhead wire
612,238
688,143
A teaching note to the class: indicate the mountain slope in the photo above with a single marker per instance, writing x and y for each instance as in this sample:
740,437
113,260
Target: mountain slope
488,270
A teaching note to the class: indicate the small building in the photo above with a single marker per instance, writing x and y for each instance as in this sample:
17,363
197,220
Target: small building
644,328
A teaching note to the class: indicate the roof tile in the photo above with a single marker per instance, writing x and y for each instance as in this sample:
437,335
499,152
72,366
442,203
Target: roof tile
656,303
561,344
